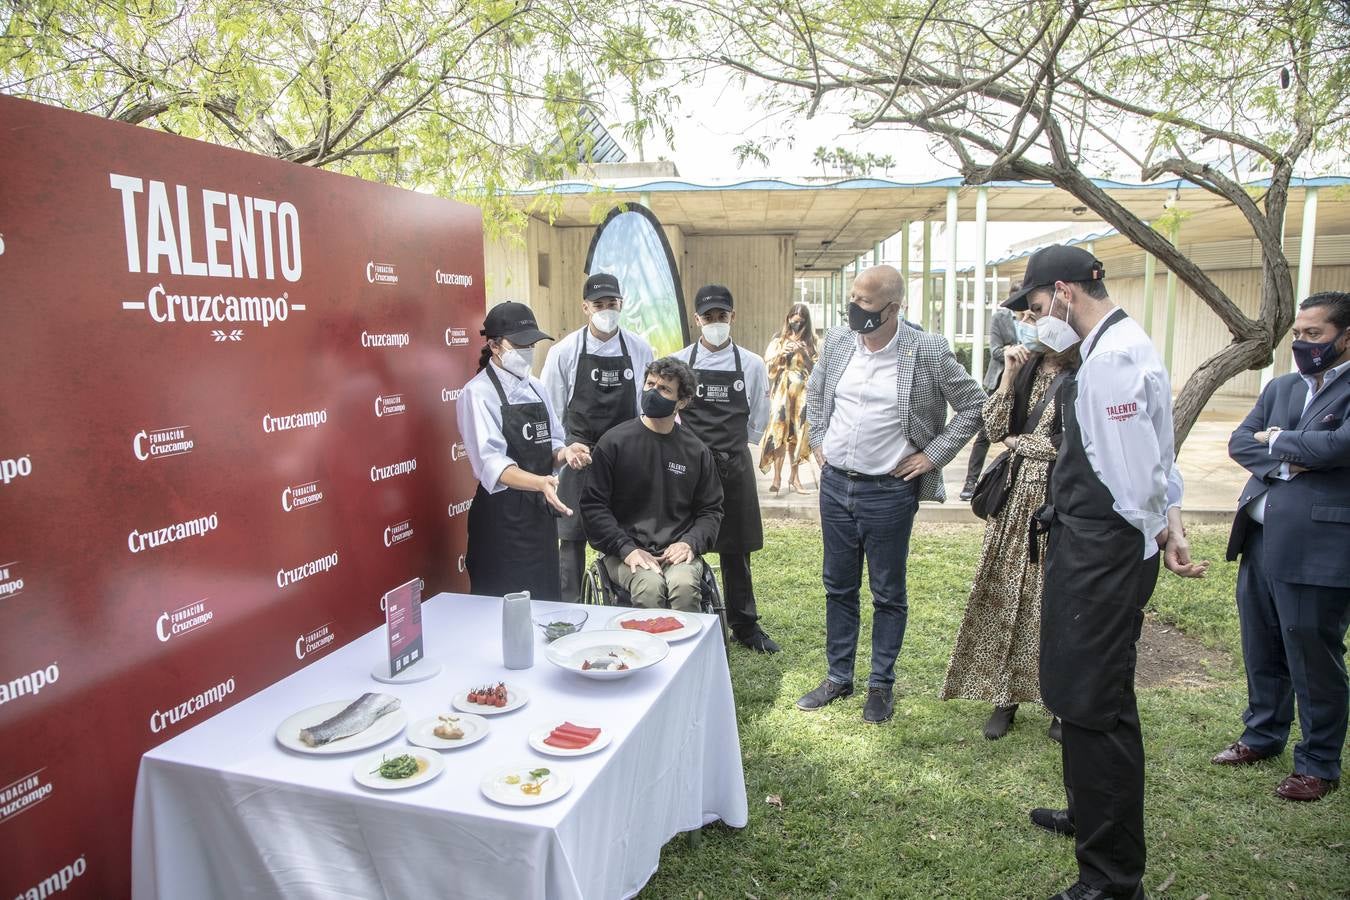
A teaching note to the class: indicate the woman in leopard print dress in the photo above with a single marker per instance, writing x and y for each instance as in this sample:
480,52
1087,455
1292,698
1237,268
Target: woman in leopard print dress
997,653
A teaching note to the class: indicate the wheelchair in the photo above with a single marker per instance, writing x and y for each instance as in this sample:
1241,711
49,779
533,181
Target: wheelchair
597,588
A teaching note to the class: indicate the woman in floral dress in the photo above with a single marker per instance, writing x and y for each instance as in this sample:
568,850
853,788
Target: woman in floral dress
790,358
997,654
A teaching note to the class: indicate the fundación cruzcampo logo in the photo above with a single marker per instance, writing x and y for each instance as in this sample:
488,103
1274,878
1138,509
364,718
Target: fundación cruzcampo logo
456,337
381,273
180,621
389,405
314,640
299,496
398,532
161,443
182,232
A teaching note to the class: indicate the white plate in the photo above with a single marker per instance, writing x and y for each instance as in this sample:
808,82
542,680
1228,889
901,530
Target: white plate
366,773
537,739
495,788
690,625
385,727
636,648
422,732
515,699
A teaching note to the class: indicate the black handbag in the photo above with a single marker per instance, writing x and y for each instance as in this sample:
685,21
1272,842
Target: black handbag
991,491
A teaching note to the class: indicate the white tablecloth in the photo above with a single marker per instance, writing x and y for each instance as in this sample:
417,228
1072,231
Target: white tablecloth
223,810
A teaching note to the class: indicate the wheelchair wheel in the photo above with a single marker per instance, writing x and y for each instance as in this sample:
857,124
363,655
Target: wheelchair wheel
711,601
595,589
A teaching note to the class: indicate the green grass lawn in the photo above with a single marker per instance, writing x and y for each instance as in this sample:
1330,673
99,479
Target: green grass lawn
925,807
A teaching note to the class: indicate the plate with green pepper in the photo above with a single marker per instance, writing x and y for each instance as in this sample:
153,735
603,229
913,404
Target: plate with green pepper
397,767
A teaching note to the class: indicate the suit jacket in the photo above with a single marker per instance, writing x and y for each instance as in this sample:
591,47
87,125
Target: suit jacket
1002,335
1307,530
927,379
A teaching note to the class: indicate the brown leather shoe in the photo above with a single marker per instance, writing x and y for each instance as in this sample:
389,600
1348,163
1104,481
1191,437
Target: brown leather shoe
1237,754
1303,788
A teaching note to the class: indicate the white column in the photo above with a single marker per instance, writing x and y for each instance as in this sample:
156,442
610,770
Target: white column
949,278
981,236
1306,239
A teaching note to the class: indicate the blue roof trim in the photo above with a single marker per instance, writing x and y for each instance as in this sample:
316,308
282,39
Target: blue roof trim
853,184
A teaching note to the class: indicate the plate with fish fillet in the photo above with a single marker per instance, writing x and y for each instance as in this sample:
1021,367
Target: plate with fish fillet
342,726
669,625
561,737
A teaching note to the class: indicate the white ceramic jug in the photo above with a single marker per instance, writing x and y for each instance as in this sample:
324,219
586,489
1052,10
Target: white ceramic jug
517,631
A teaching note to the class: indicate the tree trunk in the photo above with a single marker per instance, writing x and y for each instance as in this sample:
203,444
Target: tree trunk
1212,374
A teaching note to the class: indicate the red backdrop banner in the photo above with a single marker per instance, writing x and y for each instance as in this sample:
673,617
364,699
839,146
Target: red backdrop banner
227,431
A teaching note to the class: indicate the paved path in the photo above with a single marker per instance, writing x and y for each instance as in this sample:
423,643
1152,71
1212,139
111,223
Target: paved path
1213,481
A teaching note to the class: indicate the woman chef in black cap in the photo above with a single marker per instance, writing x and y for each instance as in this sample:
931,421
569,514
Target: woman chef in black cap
515,443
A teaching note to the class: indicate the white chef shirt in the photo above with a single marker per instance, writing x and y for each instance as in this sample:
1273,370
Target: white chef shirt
1256,507
756,379
479,412
560,366
1124,412
865,432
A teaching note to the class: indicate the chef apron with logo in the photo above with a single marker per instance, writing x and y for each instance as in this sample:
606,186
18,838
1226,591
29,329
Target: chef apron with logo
719,415
1096,584
512,542
604,394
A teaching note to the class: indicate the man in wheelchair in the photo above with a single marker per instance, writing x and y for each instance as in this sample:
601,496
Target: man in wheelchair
653,501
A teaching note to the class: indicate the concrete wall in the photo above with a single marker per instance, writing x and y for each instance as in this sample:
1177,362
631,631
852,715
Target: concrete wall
1199,333
545,267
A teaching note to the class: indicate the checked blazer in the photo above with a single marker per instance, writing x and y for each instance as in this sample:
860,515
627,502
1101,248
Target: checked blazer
928,379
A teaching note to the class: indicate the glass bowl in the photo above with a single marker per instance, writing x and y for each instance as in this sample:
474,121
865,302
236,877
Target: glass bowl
560,623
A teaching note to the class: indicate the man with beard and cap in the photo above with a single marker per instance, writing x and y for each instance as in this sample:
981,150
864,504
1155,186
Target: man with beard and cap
590,377
1114,503
1292,531
729,410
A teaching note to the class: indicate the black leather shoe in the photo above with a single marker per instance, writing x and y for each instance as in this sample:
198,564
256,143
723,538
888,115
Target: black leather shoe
825,693
1080,891
758,641
1000,721
967,492
1056,820
1056,730
880,705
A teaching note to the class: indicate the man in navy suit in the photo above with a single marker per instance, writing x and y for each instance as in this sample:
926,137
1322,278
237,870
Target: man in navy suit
1292,530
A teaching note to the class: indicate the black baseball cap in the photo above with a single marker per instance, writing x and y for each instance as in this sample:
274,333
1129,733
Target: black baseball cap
601,284
1058,262
712,296
515,322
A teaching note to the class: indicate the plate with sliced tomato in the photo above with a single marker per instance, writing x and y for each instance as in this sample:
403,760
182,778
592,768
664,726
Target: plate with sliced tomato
564,737
670,625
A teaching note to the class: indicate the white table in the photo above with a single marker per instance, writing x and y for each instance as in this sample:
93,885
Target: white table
223,810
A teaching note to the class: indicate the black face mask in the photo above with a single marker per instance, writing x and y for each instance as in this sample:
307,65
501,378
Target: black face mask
1312,358
864,321
796,326
657,406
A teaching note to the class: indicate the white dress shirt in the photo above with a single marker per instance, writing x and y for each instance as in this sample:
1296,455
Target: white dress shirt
1124,412
865,434
560,366
479,412
756,379
1256,507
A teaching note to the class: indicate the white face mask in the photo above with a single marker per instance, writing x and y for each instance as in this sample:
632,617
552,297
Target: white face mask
716,333
1055,333
605,320
518,362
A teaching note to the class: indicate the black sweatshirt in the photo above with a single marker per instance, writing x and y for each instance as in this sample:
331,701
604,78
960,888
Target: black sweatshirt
650,490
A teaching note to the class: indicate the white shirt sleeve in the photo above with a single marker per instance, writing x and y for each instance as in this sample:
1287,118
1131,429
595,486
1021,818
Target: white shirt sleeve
1119,412
560,367
480,427
757,392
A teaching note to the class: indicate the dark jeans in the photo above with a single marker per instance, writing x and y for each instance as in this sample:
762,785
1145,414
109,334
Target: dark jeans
871,519
1293,644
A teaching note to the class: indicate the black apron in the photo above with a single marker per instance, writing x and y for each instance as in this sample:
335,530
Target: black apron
604,394
512,543
1096,584
719,415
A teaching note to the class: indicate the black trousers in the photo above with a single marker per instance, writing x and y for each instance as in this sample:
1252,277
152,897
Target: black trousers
571,568
1104,783
738,593
978,451
1293,645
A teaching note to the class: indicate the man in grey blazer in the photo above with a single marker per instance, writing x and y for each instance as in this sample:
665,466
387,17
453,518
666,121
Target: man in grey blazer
1292,530
877,403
